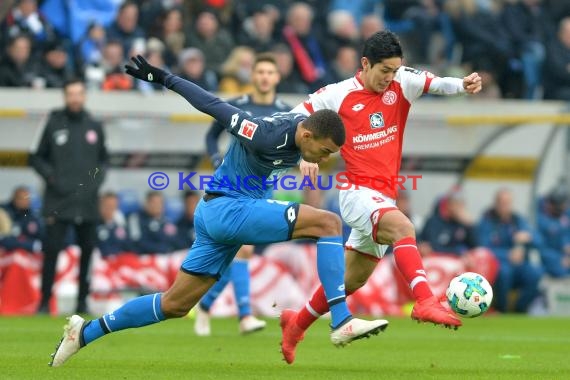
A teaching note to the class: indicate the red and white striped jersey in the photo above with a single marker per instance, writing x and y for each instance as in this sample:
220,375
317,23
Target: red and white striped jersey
374,123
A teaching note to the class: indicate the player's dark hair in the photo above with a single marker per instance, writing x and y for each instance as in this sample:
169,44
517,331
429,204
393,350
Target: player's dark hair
71,81
265,57
382,45
326,124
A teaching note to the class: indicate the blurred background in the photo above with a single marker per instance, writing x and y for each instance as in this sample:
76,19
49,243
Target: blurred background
511,137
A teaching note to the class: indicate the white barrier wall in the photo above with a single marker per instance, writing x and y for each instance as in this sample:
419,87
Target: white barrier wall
166,123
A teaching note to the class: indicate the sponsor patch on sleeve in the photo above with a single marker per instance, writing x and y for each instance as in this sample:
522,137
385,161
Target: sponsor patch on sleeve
413,71
247,129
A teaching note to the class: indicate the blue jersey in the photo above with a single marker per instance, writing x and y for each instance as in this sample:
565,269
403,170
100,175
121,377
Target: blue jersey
245,103
266,146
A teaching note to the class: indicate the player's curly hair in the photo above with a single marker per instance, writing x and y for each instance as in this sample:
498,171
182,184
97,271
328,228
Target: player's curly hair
382,45
326,124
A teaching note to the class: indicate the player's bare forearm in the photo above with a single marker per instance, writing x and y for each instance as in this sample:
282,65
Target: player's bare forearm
309,169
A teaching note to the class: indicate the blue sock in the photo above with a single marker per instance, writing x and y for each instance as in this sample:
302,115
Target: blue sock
208,299
137,312
240,279
330,266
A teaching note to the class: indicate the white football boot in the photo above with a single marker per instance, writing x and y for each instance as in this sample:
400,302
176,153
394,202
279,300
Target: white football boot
70,342
202,322
357,329
250,324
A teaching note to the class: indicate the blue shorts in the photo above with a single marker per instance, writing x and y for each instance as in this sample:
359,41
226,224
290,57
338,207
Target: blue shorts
222,225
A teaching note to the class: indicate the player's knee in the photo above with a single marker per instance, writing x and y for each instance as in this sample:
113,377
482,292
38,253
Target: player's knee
330,223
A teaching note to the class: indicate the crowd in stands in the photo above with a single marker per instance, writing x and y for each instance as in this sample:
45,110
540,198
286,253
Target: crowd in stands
520,47
146,228
525,252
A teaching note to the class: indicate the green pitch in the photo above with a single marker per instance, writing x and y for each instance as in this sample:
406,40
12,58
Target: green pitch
491,347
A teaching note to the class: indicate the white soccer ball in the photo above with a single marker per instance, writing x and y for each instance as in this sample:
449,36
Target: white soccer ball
469,295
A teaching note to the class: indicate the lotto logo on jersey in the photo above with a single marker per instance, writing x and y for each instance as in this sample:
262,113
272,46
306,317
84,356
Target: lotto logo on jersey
376,120
358,107
247,129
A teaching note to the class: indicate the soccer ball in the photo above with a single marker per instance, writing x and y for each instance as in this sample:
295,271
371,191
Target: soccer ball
469,295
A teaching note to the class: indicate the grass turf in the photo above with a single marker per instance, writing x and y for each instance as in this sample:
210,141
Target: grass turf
494,347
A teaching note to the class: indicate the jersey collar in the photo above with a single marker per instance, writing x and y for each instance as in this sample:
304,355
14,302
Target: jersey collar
357,76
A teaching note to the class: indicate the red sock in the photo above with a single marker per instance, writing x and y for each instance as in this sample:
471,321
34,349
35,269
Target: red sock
316,307
409,262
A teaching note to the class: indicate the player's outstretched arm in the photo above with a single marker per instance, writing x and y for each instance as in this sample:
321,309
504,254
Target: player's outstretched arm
470,84
201,99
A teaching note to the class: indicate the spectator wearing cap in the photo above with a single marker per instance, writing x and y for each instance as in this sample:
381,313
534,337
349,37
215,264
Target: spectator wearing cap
55,69
192,67
509,236
554,226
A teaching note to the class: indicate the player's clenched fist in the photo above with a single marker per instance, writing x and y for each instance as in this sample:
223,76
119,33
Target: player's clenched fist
472,83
